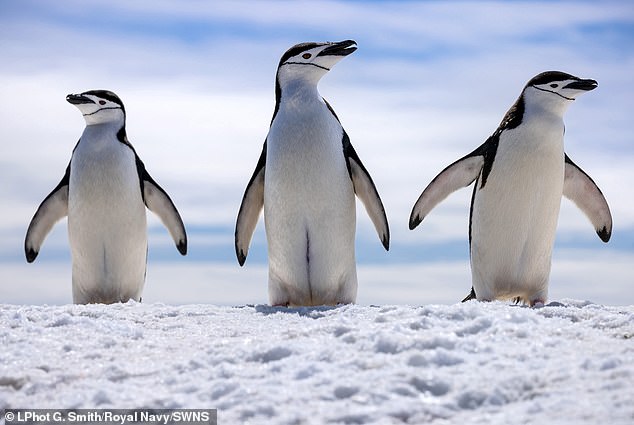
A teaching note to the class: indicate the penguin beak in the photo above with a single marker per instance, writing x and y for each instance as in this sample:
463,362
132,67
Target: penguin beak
585,85
77,99
343,48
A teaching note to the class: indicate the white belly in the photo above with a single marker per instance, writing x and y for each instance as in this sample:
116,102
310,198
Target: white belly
106,225
514,220
309,213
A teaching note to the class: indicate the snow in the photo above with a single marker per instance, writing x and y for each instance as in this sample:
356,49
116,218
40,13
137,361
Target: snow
569,362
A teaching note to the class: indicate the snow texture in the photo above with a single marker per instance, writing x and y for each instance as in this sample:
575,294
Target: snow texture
472,363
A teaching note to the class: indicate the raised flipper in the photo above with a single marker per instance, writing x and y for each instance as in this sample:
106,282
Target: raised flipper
365,189
52,209
583,191
250,208
457,175
159,202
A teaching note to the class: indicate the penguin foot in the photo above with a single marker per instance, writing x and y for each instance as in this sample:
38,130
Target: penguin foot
471,296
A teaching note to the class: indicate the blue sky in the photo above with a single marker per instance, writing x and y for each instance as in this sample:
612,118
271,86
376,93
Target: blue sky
429,82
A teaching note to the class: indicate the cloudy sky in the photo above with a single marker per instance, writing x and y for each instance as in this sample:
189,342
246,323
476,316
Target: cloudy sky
429,83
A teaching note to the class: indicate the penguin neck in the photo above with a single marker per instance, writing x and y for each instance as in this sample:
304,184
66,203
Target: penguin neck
543,126
547,115
106,131
546,105
298,93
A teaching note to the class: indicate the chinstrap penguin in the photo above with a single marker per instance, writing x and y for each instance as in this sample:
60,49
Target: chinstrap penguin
306,180
104,192
520,174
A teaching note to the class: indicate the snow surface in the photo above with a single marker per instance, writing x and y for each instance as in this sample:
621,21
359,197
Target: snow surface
471,363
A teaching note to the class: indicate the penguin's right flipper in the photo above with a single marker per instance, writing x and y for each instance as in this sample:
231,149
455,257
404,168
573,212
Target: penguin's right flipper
457,175
250,208
583,191
52,209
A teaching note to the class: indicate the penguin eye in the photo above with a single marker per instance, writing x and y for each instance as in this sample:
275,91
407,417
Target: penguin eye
102,102
554,86
306,55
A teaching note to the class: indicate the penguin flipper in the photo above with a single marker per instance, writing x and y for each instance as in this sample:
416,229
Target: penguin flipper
159,202
52,209
366,191
457,175
583,191
250,208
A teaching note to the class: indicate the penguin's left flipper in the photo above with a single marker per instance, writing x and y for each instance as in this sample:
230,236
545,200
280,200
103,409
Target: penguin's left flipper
456,176
583,191
52,209
250,208
365,189
159,202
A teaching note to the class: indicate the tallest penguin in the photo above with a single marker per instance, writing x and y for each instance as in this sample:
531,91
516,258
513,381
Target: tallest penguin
306,179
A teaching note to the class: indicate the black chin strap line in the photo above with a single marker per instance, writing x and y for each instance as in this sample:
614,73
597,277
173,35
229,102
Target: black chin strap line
554,92
102,109
302,63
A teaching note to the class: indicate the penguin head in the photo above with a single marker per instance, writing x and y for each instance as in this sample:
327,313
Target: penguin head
98,106
311,61
556,90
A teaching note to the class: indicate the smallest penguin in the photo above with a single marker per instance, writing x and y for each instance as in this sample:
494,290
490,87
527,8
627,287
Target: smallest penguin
104,192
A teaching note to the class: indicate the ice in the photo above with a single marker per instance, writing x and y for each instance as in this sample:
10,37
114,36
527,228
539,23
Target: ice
482,363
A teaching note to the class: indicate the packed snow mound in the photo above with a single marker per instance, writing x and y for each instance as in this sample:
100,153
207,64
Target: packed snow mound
471,363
